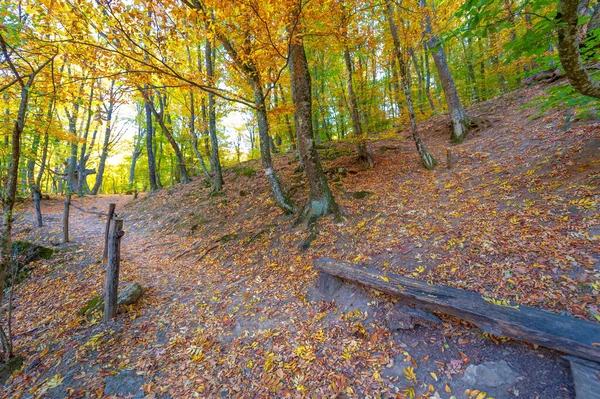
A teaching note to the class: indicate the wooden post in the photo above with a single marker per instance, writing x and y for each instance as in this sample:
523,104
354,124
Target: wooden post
111,212
449,159
66,218
111,284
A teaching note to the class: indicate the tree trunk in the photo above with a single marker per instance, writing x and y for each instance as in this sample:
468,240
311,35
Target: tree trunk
426,159
195,136
66,210
215,162
568,50
265,154
104,154
82,179
361,146
458,117
161,122
149,135
321,201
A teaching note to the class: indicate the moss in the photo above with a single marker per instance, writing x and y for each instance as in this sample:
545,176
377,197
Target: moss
361,194
94,303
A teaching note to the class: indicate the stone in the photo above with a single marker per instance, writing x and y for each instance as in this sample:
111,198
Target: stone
490,375
403,317
130,294
328,285
126,383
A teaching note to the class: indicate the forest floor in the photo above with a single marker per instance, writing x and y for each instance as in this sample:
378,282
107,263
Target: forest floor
230,308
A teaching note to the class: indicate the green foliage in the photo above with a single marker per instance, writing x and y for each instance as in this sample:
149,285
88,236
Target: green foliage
564,96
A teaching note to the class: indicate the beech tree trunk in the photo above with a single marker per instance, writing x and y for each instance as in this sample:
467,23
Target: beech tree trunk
215,162
104,154
195,136
458,117
161,122
83,157
426,159
265,152
361,146
321,200
149,135
568,50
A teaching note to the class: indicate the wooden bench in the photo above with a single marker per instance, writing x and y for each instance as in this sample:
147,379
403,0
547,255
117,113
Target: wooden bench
578,338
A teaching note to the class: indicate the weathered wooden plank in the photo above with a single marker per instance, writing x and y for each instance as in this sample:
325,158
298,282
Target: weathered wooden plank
566,334
111,284
586,376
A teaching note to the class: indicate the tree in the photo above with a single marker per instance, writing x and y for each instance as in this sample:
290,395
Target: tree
25,80
568,49
458,117
320,199
426,159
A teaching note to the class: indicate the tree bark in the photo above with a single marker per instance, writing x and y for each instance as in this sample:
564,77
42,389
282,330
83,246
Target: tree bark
458,117
215,162
321,200
83,157
67,208
149,135
111,284
265,153
195,136
426,159
161,122
568,50
107,133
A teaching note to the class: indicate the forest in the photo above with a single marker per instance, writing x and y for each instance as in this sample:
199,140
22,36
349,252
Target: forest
259,154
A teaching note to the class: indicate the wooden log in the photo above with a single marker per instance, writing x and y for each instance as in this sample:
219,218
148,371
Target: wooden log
111,212
111,284
586,376
566,334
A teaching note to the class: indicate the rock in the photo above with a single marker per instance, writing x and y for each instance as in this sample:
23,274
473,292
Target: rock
128,296
126,383
403,317
8,368
328,285
490,375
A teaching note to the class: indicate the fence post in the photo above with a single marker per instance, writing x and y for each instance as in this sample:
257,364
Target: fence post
111,212
66,217
111,284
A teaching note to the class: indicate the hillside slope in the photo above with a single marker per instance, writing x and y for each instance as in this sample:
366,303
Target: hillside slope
230,309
